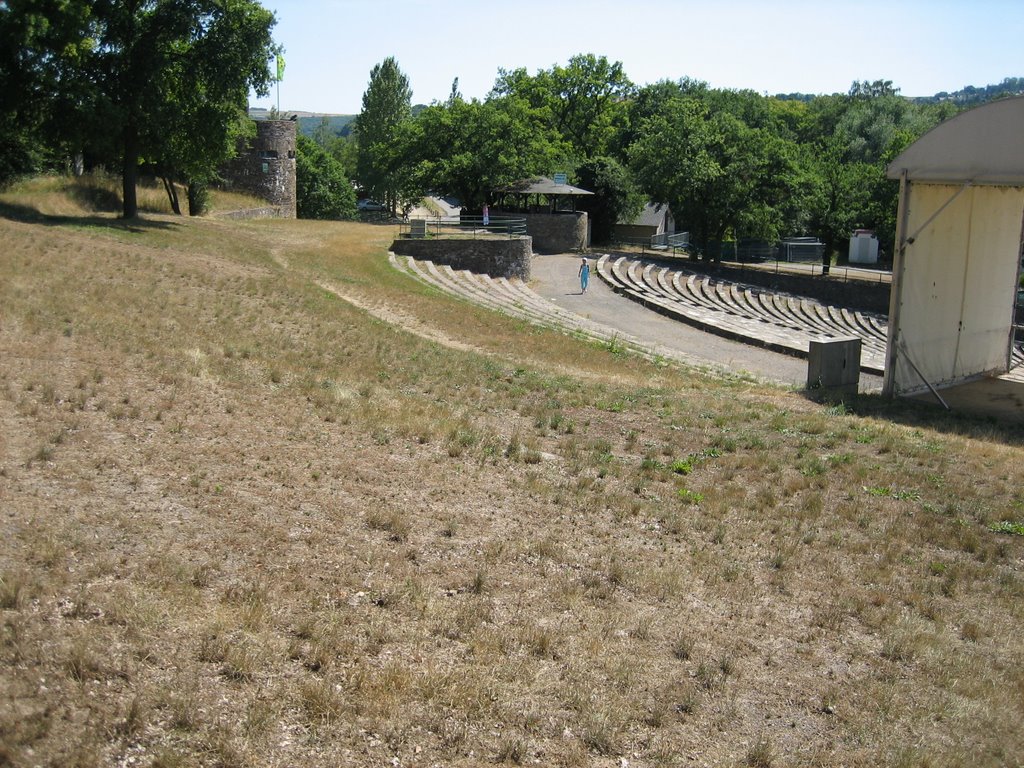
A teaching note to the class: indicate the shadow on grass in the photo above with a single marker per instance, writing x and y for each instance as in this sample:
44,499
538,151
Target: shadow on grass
988,424
29,215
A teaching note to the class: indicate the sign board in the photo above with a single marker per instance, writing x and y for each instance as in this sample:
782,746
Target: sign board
561,179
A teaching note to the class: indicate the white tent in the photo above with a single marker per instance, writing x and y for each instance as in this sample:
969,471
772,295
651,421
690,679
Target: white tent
958,250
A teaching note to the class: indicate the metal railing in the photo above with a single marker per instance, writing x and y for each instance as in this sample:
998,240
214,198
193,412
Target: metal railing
677,243
675,240
464,227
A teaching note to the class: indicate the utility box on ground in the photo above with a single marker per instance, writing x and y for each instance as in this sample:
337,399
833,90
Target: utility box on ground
833,365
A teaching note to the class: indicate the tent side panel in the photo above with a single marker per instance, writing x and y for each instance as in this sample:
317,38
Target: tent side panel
932,286
958,288
990,289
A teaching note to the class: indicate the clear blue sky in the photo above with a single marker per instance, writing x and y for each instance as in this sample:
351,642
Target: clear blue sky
780,46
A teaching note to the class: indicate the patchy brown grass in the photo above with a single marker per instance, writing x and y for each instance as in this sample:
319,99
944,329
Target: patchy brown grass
246,522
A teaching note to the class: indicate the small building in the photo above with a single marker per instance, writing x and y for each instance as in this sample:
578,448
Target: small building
654,219
958,248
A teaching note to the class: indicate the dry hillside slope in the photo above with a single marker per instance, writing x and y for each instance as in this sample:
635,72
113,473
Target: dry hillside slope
248,518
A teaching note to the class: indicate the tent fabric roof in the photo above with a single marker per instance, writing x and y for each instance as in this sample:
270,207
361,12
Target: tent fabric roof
984,145
545,186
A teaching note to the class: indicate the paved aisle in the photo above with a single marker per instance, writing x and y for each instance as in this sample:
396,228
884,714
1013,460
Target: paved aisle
555,278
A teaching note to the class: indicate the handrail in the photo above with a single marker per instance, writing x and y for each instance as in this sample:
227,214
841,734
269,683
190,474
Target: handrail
463,227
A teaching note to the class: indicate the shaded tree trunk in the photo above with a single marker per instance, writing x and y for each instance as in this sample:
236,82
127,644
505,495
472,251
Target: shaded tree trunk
130,173
172,194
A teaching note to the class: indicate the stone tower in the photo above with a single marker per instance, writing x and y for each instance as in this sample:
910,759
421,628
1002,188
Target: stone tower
265,166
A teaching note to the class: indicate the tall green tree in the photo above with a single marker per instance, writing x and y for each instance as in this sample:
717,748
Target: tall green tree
674,162
647,102
469,149
386,106
616,197
175,74
848,140
43,48
322,189
204,114
723,162
584,100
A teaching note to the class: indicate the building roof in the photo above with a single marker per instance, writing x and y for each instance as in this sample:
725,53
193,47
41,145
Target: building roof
652,215
544,186
984,145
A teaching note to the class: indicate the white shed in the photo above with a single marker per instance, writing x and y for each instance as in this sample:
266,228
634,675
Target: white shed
958,250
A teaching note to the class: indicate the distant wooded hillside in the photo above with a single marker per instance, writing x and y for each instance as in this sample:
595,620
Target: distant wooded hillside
311,122
967,96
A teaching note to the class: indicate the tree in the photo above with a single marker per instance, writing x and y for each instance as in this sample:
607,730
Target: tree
724,164
584,101
160,80
322,189
862,89
469,149
386,106
674,164
615,198
645,104
43,44
849,141
204,114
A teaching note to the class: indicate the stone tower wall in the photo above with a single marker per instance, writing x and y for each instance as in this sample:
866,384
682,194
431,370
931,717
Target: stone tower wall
265,167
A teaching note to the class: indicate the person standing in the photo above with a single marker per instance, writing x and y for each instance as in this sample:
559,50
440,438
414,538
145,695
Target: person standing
487,215
584,275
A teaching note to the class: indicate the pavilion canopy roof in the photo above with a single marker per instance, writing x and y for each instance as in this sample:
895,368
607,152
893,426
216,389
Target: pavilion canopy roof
541,185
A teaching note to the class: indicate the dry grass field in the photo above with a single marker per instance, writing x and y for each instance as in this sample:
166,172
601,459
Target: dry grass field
265,501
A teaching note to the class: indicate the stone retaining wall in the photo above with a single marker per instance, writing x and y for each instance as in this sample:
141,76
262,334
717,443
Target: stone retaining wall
497,257
557,232
269,212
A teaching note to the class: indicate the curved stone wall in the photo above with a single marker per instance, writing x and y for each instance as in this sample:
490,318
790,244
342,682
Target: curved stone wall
557,232
494,257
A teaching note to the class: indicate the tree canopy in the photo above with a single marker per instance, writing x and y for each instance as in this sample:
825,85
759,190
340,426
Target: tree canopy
729,163
164,81
322,190
387,103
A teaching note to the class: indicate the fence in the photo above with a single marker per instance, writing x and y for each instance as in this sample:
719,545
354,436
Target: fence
806,249
463,228
670,241
678,243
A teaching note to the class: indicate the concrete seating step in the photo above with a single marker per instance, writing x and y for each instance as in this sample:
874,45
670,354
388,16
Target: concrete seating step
745,312
513,297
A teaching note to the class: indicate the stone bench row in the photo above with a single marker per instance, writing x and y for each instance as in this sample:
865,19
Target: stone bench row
778,321
513,297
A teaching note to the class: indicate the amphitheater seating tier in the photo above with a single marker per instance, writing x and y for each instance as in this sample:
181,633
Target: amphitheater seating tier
751,314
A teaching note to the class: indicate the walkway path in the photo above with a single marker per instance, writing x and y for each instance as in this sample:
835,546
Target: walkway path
555,278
